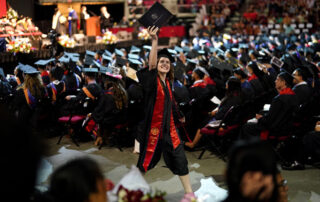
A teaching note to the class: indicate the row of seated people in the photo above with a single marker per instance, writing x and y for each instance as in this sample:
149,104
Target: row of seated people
290,109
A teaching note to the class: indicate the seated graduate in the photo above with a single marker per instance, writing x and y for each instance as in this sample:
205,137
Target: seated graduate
246,87
278,120
70,78
255,78
301,88
233,97
55,88
91,92
199,95
159,134
112,105
29,96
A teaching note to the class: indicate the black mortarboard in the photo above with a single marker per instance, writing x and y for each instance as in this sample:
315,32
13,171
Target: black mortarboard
89,57
121,62
157,16
165,53
240,72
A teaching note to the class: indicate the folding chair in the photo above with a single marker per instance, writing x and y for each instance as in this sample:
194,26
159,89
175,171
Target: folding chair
226,126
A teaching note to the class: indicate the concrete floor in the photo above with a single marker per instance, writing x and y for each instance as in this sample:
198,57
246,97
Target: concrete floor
303,185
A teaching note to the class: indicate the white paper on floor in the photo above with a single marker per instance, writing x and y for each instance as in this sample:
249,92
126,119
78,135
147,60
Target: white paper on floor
314,197
210,191
195,165
66,155
45,170
133,180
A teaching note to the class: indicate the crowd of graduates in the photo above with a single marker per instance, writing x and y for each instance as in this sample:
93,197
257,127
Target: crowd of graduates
103,90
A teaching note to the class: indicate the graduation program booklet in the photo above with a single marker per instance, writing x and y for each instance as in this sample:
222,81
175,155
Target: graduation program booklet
157,16
215,100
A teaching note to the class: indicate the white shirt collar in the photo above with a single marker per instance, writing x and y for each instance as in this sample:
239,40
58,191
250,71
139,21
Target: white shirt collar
301,83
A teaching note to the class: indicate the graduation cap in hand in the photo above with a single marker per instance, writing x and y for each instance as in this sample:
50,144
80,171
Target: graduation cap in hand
157,16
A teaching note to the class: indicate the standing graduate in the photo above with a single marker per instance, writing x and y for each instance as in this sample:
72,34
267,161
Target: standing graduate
159,134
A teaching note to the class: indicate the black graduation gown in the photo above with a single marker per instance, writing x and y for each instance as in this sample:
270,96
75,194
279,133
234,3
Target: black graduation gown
257,87
226,104
280,116
303,93
148,81
87,104
24,112
72,83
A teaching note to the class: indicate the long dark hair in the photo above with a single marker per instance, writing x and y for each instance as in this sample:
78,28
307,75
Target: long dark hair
119,93
234,88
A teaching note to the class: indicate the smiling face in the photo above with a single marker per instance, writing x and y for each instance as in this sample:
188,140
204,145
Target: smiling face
163,65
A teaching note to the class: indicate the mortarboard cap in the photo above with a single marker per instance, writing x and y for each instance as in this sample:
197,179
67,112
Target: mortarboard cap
172,52
178,49
165,53
243,45
64,59
186,49
133,56
89,57
30,70
106,57
104,70
108,53
115,73
121,62
193,61
90,70
135,49
157,16
44,62
134,61
119,52
132,74
97,65
147,47
201,52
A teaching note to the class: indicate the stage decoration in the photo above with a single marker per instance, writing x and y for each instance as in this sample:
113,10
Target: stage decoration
66,41
125,195
17,45
109,38
143,34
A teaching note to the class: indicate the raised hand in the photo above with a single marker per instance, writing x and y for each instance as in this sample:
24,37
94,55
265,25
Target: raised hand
152,31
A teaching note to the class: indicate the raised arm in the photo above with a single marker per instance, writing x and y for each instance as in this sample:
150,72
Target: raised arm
153,53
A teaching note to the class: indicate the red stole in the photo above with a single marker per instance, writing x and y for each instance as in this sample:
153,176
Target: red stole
156,125
209,81
44,73
252,77
287,91
200,84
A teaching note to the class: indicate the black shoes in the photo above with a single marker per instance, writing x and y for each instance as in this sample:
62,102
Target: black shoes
293,166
